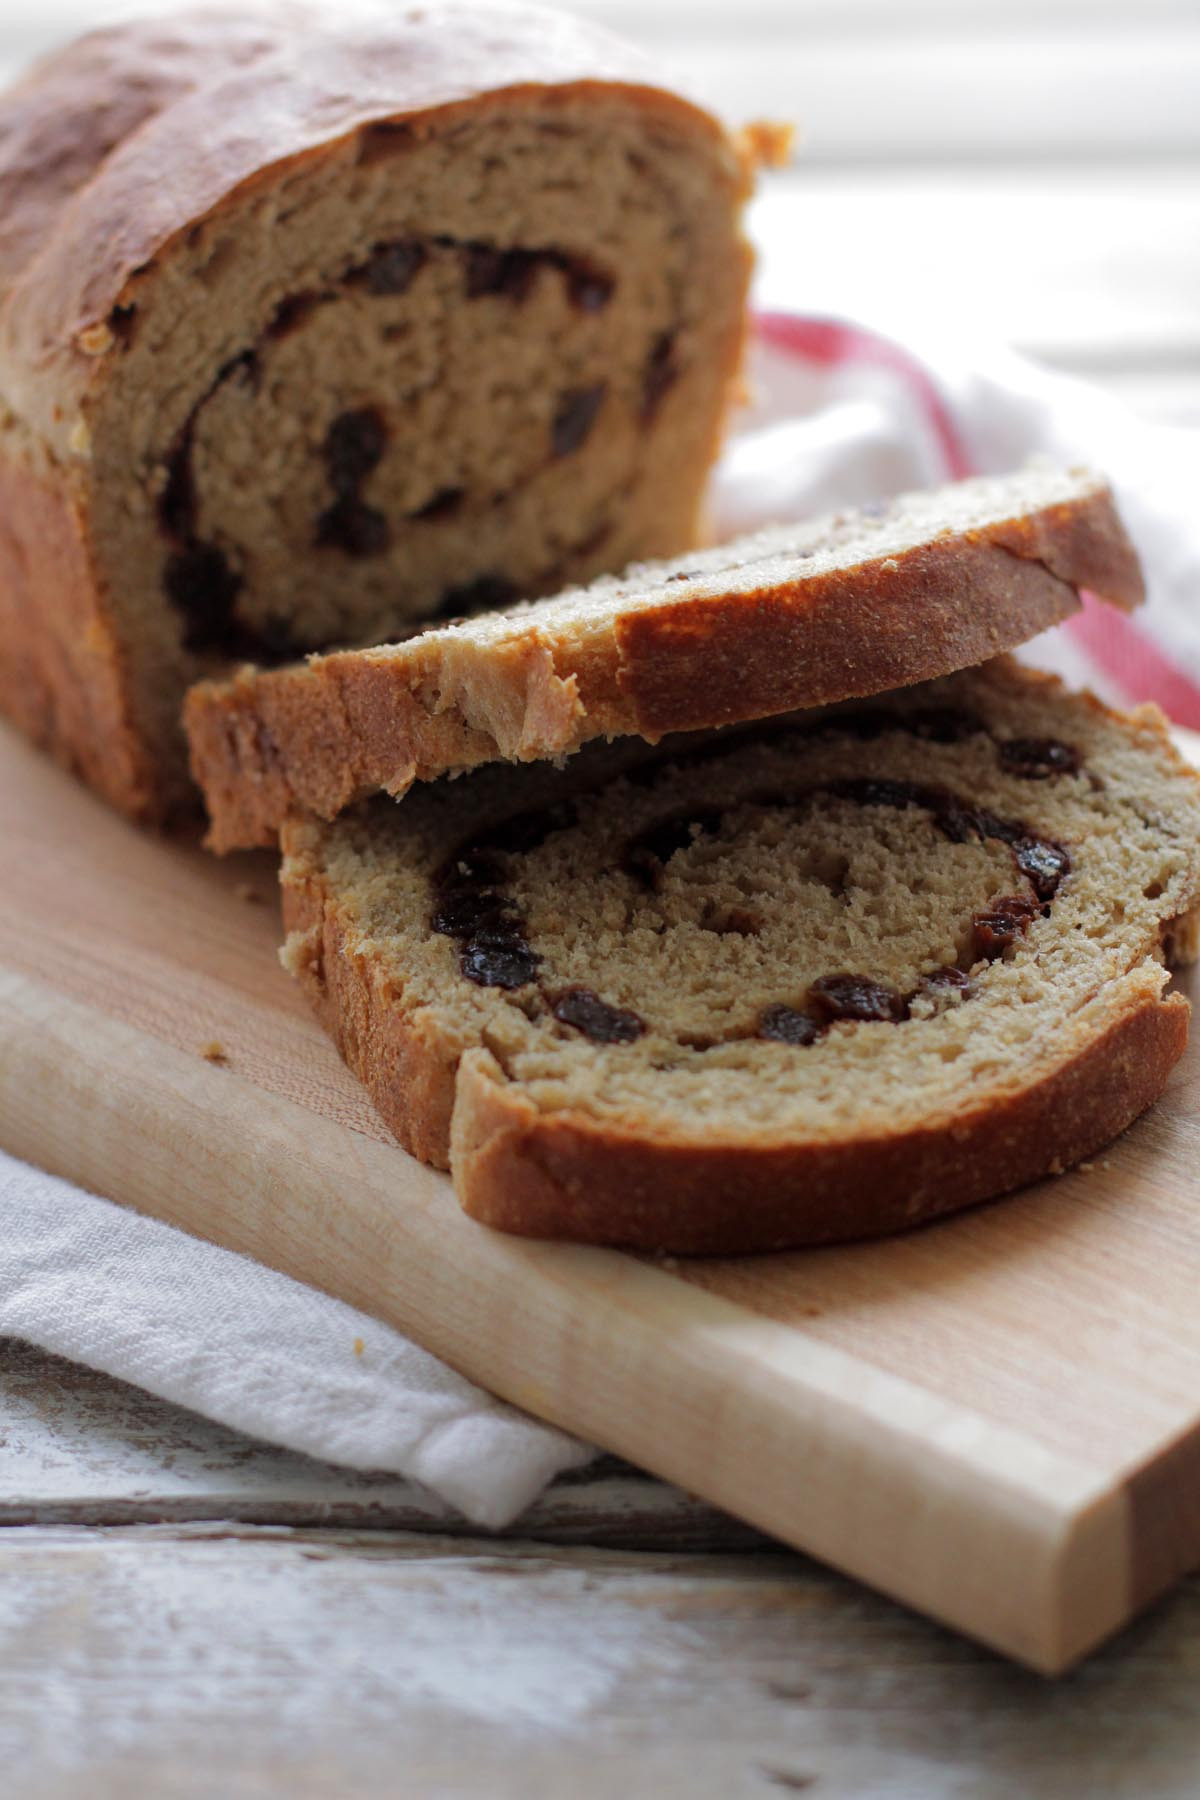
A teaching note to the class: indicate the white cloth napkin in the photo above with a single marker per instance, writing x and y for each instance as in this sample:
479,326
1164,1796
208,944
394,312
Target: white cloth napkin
257,1350
844,412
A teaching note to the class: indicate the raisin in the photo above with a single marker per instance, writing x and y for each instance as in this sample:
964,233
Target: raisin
507,272
295,311
509,965
1005,831
354,444
392,268
575,417
177,503
121,322
1043,863
589,289
505,931
444,504
484,594
660,374
201,584
855,997
353,526
276,642
647,854
198,580
585,1011
1036,759
784,1025
465,912
943,724
960,822
1003,922
871,790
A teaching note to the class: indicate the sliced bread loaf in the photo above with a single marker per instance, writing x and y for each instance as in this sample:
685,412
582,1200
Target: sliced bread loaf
813,980
316,320
795,616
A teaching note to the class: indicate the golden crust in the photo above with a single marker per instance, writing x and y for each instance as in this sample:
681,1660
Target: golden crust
564,1176
409,1068
316,738
63,678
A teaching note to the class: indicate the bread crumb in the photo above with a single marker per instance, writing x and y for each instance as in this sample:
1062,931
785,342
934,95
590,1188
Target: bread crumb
249,894
1086,1167
96,340
768,143
359,1346
214,1051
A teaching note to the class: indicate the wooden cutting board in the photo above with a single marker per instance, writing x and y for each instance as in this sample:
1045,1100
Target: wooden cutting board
995,1419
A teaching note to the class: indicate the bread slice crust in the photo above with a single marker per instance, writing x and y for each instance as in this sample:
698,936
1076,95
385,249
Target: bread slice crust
64,677
564,1177
761,626
712,1186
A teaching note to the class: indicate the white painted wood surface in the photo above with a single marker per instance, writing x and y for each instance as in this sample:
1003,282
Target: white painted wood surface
1035,166
212,1664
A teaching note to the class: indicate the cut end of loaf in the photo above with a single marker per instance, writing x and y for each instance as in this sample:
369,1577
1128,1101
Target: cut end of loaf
448,313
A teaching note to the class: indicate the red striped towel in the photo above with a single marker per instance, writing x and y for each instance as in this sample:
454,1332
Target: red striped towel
843,413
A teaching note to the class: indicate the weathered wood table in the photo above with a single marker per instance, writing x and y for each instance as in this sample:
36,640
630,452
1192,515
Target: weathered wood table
186,1613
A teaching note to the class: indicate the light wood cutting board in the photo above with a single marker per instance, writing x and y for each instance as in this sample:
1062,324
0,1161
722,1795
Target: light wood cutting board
995,1419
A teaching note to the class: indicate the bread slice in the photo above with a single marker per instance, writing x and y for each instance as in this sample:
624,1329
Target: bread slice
798,615
811,980
320,319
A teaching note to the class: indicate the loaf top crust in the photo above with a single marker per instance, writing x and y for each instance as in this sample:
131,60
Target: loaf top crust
113,147
798,615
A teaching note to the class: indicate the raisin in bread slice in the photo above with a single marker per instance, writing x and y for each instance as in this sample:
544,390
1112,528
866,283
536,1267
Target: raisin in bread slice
316,321
813,980
795,616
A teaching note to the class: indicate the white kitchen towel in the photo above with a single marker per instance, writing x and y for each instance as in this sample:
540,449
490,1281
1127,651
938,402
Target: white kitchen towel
843,411
257,1350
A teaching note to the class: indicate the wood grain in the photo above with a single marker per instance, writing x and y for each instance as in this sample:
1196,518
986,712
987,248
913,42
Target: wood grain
956,1416
248,1663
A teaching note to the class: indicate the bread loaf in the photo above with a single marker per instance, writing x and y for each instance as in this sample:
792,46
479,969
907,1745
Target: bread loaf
813,980
319,322
795,616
